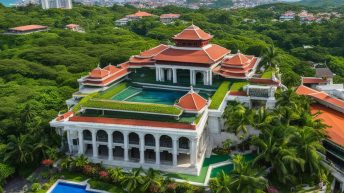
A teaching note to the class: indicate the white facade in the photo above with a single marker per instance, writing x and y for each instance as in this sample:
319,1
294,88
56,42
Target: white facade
129,146
48,4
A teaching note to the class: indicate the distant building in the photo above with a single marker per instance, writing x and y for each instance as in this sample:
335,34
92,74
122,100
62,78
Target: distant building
26,29
75,27
288,16
169,18
136,16
48,4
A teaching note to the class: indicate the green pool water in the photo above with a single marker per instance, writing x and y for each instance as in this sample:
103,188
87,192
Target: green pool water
148,95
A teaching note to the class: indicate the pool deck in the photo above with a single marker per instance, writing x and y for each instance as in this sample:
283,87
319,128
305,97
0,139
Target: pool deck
84,183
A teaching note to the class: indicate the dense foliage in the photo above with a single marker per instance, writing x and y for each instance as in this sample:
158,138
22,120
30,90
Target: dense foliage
289,141
38,72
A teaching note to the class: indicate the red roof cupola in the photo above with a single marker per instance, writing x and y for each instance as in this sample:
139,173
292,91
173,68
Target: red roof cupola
192,36
98,73
192,102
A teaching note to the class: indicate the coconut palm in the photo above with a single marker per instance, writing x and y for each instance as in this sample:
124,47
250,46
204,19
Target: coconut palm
153,181
19,149
133,180
269,56
308,143
262,118
288,98
275,152
237,118
116,174
221,184
245,178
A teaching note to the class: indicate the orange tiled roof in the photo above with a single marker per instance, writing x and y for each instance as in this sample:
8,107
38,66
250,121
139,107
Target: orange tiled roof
64,116
109,79
99,73
193,33
140,14
192,102
238,60
169,15
72,25
29,27
312,80
238,93
154,51
335,121
266,81
133,122
207,55
322,96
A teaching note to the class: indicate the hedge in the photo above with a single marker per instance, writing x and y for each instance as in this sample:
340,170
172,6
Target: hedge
268,73
138,107
84,100
238,86
108,94
219,95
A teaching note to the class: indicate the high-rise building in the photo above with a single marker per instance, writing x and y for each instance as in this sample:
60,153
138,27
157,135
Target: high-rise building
65,4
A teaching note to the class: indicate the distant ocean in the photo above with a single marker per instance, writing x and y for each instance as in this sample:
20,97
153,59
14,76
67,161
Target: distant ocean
8,3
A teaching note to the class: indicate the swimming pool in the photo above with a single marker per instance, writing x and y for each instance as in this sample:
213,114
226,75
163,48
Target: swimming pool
149,95
62,186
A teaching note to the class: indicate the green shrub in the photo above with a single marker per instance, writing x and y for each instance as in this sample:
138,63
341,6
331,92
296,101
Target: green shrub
35,187
5,172
268,73
238,86
108,94
219,95
128,106
77,107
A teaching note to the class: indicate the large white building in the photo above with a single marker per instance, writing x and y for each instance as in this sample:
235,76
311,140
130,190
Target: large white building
153,111
48,4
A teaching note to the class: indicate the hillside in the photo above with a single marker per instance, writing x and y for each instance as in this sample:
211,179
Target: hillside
322,3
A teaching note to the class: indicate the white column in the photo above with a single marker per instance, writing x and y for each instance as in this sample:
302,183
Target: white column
162,75
205,77
157,149
142,148
81,142
210,78
126,146
191,77
174,72
175,151
193,152
69,142
157,73
94,144
110,145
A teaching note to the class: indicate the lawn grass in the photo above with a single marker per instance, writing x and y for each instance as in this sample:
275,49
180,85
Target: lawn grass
99,185
109,93
135,107
208,161
238,86
268,73
219,95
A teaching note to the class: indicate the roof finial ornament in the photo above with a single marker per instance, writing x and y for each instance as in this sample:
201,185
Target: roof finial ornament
238,51
98,66
191,89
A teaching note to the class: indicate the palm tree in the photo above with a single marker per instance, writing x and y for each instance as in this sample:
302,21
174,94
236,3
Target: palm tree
116,174
269,56
153,181
277,154
133,180
221,184
288,98
262,118
237,118
246,179
66,163
80,161
18,150
308,143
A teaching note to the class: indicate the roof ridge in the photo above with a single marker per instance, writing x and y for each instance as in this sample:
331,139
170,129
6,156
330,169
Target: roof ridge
193,100
205,50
